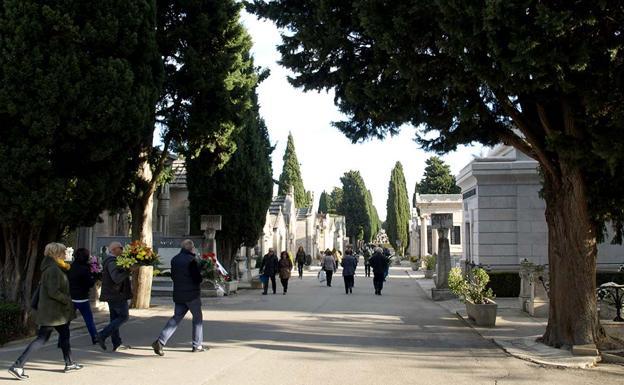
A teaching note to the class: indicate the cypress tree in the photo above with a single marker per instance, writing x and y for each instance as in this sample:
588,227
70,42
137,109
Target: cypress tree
291,175
398,209
357,207
241,190
324,203
207,90
335,199
437,179
78,85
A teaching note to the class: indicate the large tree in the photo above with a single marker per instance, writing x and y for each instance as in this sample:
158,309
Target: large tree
324,203
437,179
544,77
78,85
241,191
291,175
357,207
397,209
206,92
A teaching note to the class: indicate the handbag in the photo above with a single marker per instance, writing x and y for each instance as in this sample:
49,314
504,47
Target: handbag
34,302
322,276
264,278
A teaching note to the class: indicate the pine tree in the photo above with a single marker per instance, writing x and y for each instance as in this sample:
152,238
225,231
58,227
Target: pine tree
437,179
291,175
398,209
78,85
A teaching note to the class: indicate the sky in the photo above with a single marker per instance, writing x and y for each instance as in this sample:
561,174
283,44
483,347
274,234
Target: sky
324,153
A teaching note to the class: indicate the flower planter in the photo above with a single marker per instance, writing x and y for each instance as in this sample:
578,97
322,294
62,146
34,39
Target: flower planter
142,287
230,287
256,283
415,266
482,314
428,274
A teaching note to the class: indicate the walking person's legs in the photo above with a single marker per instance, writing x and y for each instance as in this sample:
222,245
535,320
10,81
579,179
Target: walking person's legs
179,311
119,314
329,274
43,335
300,269
284,284
87,315
198,323
273,284
63,331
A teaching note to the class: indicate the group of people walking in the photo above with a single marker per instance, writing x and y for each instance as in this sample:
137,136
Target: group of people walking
64,289
375,260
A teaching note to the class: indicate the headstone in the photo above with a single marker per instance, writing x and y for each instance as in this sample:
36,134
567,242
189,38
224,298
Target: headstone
442,223
210,224
166,254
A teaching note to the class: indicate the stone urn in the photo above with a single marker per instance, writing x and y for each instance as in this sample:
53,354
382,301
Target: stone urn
230,287
429,274
482,314
142,287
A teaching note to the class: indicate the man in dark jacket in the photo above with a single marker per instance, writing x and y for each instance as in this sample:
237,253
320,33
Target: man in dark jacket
116,290
269,267
378,264
186,278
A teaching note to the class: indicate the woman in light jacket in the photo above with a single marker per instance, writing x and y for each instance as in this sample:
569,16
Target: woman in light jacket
54,311
285,265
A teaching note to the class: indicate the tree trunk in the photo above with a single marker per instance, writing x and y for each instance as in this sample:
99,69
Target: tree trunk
143,205
20,255
572,253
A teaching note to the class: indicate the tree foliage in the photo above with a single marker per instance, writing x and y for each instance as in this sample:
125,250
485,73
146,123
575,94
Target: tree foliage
397,209
356,205
291,175
324,203
207,83
241,191
437,179
78,85
544,77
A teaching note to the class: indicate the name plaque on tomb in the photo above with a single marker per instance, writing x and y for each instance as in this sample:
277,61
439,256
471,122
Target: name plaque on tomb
441,221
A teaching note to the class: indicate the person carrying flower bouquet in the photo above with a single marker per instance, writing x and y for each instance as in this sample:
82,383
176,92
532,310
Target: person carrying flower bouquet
116,290
186,276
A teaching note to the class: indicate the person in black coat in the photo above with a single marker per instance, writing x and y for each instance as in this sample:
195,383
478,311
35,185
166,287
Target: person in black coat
80,282
187,278
378,263
269,267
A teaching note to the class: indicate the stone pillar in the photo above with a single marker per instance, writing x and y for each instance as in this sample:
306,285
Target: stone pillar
210,224
539,302
434,241
525,286
164,199
440,224
423,237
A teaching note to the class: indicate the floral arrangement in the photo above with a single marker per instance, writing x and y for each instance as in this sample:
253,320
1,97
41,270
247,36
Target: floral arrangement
137,253
95,267
209,267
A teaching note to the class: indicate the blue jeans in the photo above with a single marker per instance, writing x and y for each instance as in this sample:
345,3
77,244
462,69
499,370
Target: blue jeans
179,312
119,314
85,310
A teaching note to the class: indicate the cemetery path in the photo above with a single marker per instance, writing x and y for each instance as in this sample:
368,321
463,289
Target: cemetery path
313,335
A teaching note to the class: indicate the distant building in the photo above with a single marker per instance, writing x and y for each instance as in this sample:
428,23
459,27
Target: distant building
424,240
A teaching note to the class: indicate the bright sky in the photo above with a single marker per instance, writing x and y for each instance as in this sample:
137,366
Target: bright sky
323,152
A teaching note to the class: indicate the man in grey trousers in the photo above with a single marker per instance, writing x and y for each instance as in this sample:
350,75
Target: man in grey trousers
186,278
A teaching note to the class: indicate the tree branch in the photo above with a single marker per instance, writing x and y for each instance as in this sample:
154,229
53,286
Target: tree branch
525,127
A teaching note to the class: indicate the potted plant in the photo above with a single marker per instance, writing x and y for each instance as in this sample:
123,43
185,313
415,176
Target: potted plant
212,279
230,285
480,305
414,262
430,263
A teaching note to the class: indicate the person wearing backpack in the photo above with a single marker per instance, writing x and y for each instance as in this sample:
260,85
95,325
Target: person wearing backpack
54,310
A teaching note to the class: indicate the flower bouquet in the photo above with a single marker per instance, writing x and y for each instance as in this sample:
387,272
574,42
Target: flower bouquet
137,254
208,267
95,267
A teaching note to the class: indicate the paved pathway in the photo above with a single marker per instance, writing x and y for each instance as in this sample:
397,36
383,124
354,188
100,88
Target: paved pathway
313,335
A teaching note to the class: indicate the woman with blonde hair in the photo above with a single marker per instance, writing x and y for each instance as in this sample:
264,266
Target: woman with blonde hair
54,310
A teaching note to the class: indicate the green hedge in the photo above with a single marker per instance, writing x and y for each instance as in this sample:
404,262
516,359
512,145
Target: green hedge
10,319
504,284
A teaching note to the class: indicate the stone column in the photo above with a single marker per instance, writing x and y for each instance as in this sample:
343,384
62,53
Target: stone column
210,224
440,225
164,199
525,285
423,236
434,241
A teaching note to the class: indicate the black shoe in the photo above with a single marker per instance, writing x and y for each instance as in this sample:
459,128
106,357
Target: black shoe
284,293
94,340
158,348
100,341
72,367
18,373
200,349
264,293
